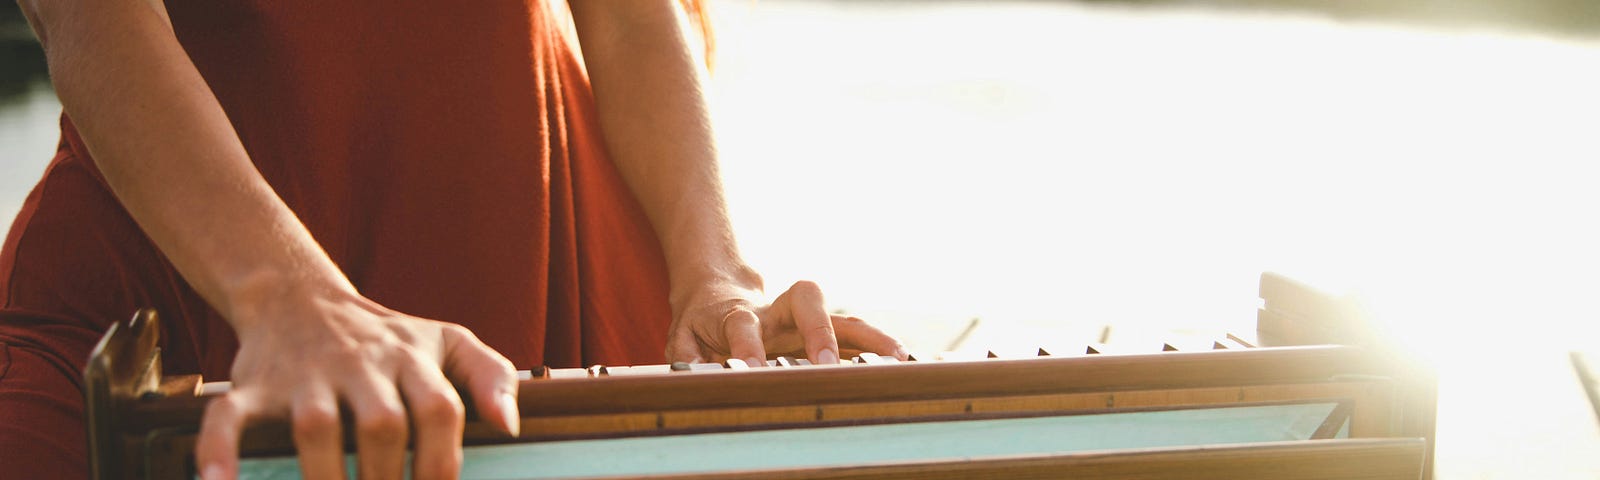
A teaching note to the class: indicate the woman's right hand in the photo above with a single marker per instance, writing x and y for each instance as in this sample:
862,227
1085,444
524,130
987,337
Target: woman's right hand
310,346
304,359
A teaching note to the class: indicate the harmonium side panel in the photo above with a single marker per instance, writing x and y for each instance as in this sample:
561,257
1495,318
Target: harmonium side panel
838,446
1293,313
1373,459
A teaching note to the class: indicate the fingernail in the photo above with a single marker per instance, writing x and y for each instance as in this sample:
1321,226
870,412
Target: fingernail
755,362
508,410
212,472
827,357
900,353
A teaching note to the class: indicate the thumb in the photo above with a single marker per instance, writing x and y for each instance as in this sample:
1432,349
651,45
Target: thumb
487,376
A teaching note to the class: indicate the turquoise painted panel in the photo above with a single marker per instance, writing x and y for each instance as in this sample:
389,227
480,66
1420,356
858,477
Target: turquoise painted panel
832,446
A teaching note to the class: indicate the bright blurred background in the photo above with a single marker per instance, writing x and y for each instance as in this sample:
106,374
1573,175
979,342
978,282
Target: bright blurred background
1052,168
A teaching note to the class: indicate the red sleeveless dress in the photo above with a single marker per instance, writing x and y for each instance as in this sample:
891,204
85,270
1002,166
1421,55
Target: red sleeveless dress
446,156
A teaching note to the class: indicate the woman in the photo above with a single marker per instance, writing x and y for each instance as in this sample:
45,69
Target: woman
357,192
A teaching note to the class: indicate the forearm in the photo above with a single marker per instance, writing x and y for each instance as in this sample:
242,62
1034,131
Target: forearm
648,88
171,156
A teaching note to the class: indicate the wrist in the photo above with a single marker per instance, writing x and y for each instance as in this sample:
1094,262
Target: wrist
282,296
720,279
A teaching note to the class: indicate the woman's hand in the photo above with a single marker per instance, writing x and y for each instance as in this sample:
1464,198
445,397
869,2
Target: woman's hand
310,345
724,319
305,361
648,90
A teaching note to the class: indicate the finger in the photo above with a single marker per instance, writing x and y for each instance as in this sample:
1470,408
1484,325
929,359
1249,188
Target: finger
318,439
805,306
860,335
438,416
743,331
684,347
216,451
488,377
846,352
380,424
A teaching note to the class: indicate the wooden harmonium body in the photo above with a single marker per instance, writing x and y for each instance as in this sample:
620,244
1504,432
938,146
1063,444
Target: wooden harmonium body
1305,412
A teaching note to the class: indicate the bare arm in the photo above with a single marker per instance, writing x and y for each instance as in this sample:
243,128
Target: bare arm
648,88
133,93
172,158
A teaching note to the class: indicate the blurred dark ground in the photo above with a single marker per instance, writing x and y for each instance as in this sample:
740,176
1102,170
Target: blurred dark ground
22,64
1572,18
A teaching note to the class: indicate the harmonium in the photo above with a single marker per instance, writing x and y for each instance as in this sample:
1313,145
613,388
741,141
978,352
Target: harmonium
1310,396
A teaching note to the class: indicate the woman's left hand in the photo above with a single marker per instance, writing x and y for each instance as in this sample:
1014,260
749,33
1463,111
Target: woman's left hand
723,320
648,93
